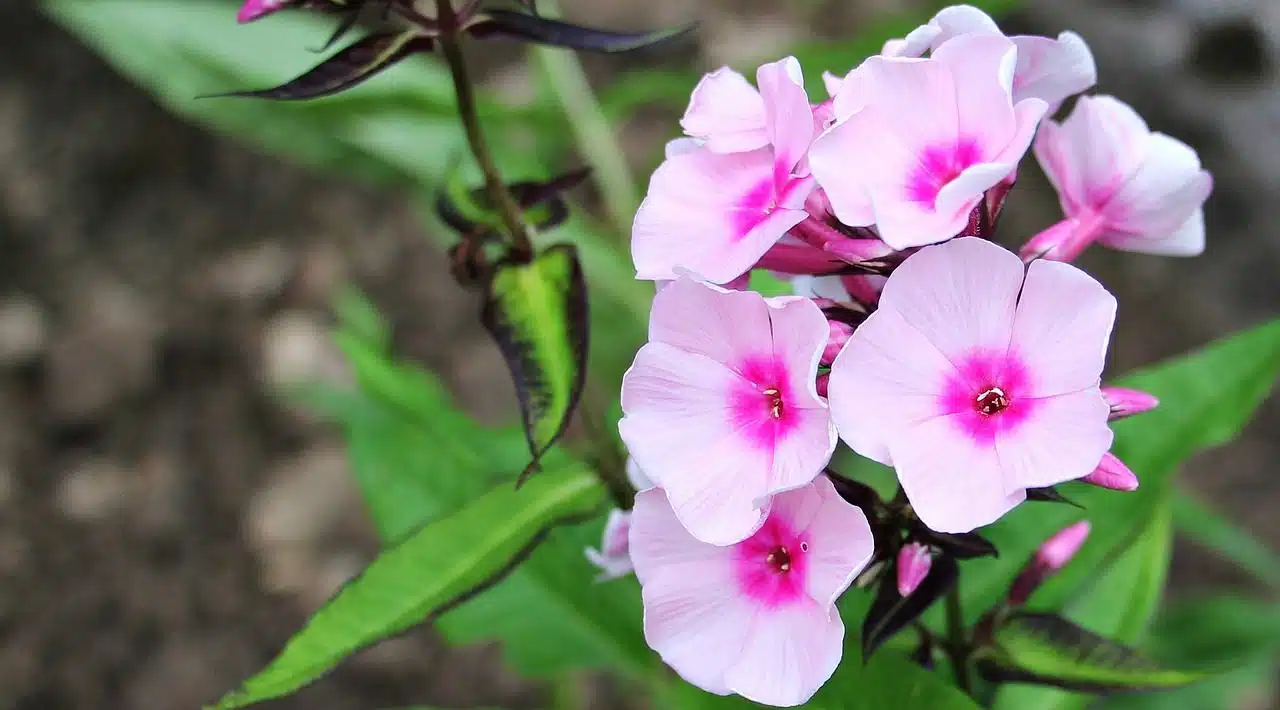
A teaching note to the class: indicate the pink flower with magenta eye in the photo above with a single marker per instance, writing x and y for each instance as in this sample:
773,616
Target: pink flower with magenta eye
928,138
757,618
1049,69
1119,184
720,405
715,213
978,379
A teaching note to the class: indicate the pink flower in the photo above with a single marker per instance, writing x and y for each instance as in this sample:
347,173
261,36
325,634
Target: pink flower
715,213
1120,184
720,406
856,291
929,137
1052,556
613,559
1047,68
757,618
977,381
914,562
255,9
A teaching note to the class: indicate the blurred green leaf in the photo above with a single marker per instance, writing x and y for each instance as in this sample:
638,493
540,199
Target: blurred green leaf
1117,606
418,457
767,285
1211,529
399,128
1216,632
427,573
537,313
555,33
1251,686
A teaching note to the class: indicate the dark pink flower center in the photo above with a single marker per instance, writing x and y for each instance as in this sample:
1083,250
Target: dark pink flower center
758,405
770,566
987,395
938,165
754,206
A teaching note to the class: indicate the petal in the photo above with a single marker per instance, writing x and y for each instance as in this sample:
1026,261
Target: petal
959,20
965,192
636,476
1090,155
915,44
726,326
787,655
727,112
1053,69
832,83
1063,439
1187,240
1062,328
904,223
954,484
982,68
960,295
799,332
1027,115
680,146
692,612
804,451
888,378
1163,193
708,213
788,115
839,537
679,426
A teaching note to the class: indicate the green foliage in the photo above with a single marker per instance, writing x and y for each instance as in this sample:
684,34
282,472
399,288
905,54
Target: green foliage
1209,528
427,573
537,313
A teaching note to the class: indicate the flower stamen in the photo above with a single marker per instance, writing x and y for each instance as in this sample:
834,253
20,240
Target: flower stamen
779,559
992,401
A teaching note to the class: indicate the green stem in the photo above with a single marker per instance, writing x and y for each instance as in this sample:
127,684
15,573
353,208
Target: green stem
957,645
512,215
610,462
595,135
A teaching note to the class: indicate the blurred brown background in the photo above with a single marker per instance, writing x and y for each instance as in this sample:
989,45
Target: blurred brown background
166,523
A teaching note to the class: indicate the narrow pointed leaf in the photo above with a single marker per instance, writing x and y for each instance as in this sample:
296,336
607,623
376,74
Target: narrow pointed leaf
891,612
540,30
1050,650
962,546
1050,495
468,209
355,63
431,571
537,313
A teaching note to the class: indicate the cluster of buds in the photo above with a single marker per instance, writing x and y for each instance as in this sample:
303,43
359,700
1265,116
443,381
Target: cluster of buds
971,370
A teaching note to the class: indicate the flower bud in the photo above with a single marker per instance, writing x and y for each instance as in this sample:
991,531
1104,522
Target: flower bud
1128,402
823,381
256,9
614,556
1052,556
839,333
914,561
1112,474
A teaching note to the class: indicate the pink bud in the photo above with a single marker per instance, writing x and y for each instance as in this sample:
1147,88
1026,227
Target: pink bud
1052,556
1063,241
1112,474
255,9
1127,402
914,561
839,333
823,381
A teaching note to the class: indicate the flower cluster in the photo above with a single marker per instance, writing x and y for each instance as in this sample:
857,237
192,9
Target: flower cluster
912,338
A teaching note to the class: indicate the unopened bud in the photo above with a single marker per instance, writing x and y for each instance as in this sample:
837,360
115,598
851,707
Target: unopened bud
824,381
614,556
1052,556
1126,402
837,336
1112,474
256,9
914,561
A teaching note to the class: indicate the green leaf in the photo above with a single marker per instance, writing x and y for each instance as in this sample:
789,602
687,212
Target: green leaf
541,30
537,313
352,65
1219,632
401,128
1048,649
1118,605
767,285
1251,686
1211,529
429,572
